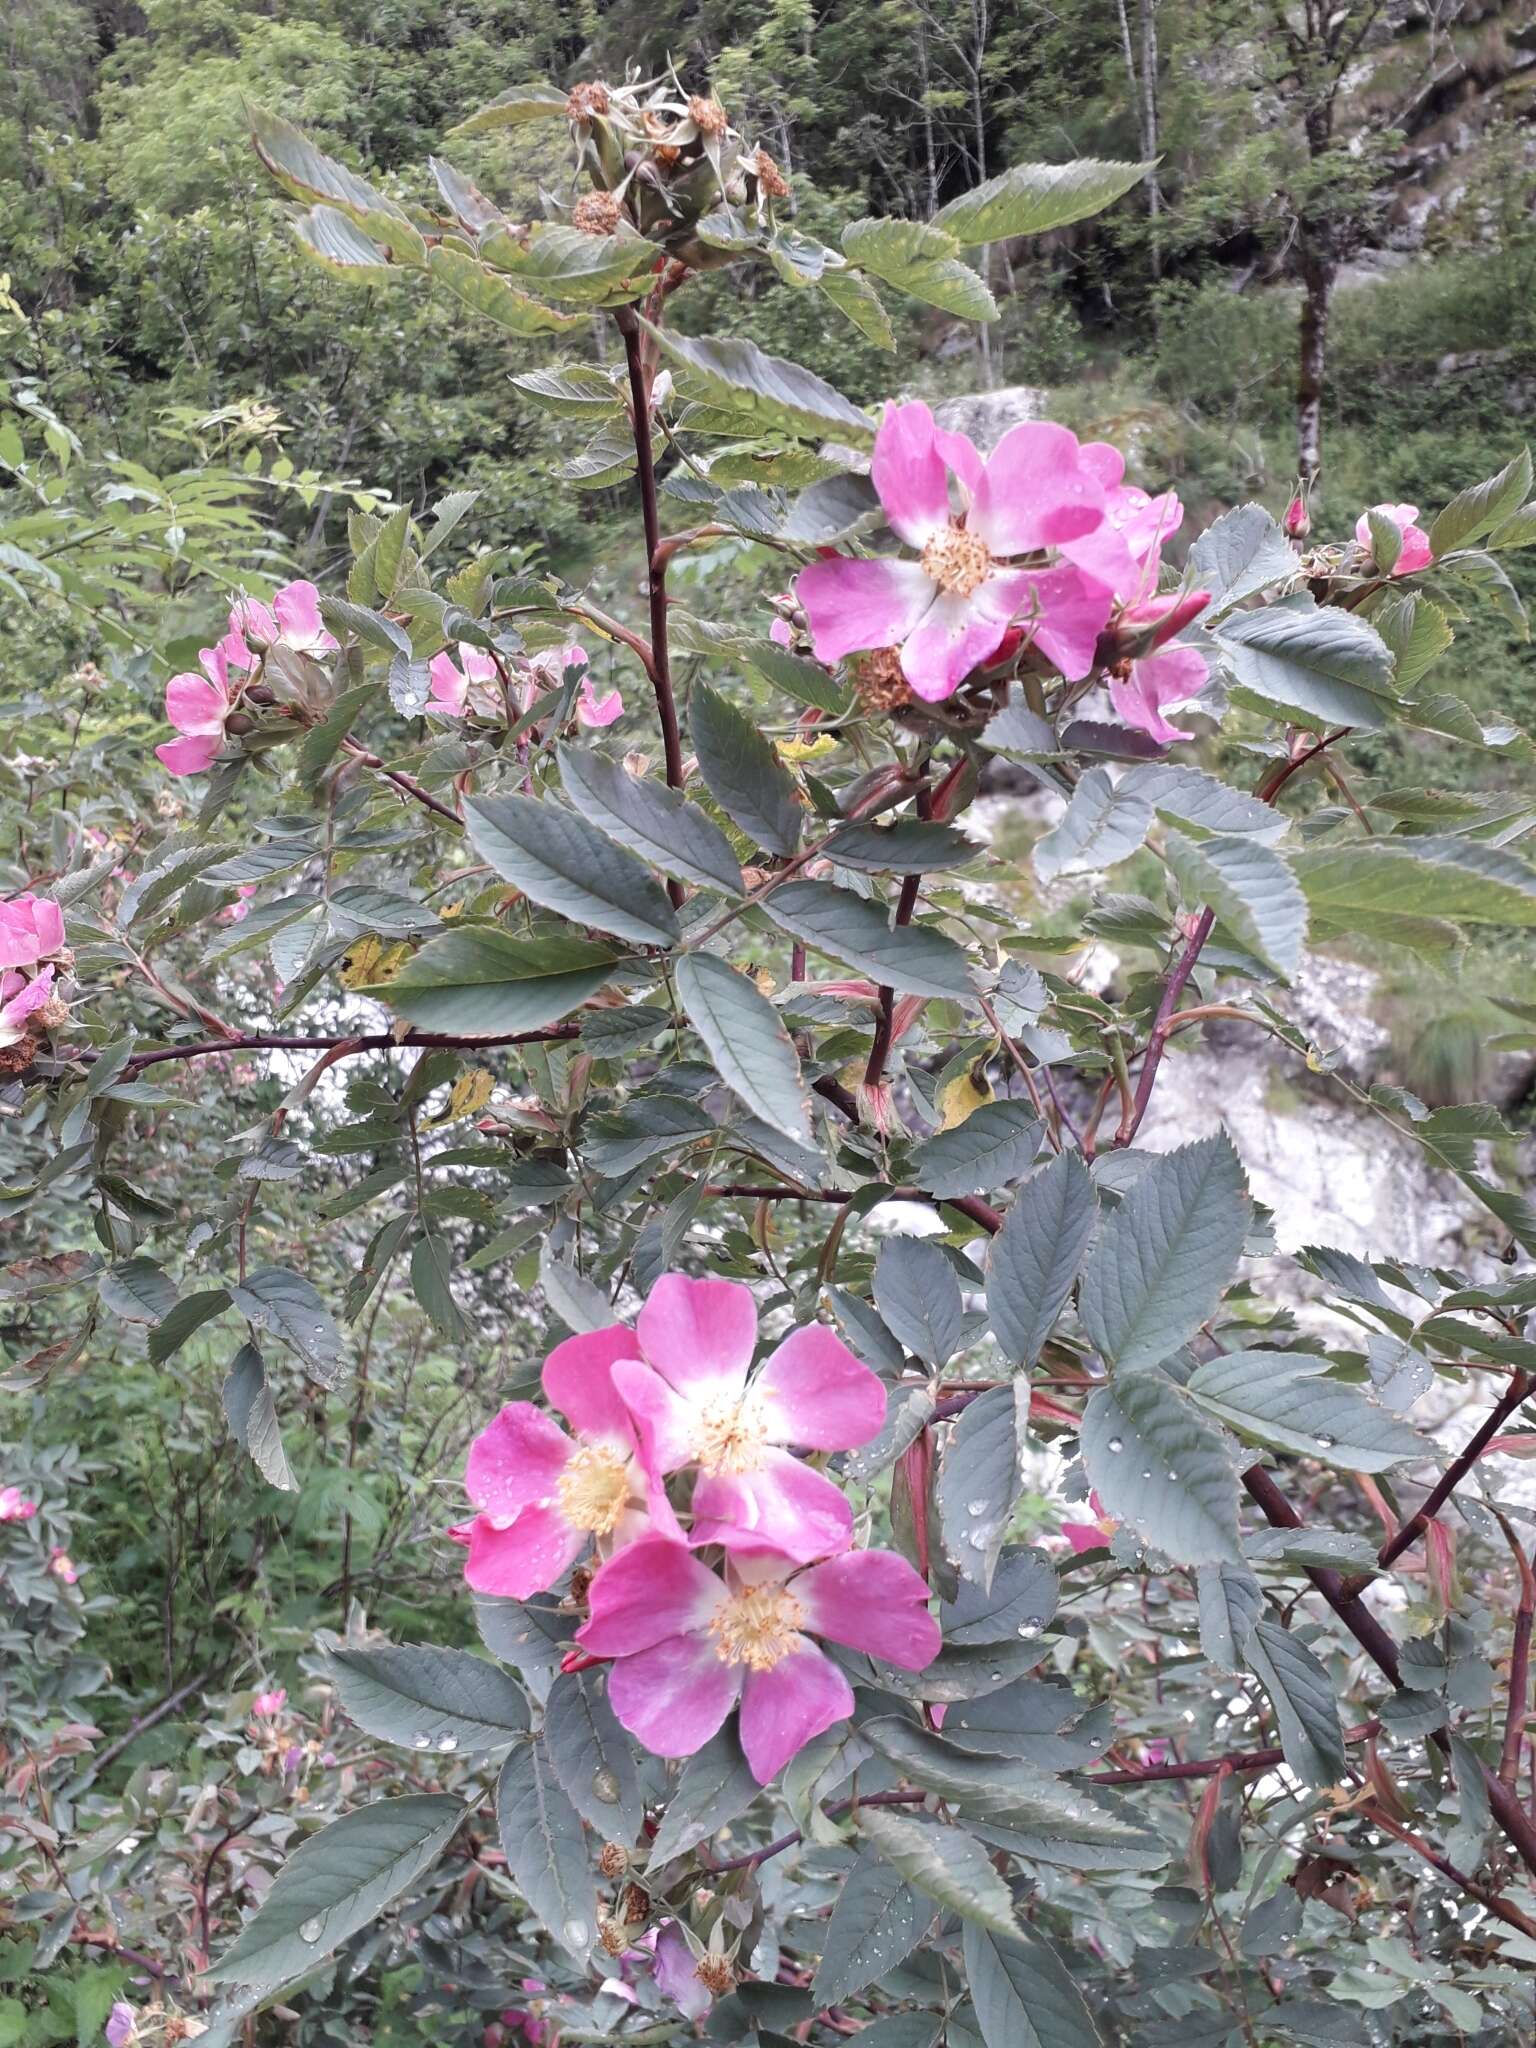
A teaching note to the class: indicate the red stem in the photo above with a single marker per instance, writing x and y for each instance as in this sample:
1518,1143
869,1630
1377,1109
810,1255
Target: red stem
1455,1472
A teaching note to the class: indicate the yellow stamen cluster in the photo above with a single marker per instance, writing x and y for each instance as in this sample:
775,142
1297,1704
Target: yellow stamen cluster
757,1627
728,1434
957,561
593,1490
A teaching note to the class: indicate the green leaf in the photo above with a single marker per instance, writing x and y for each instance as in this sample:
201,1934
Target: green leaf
337,242
481,982
1243,551
918,1297
909,847
425,1698
946,1863
747,1043
578,390
593,1757
138,1290
1231,1601
566,865
653,821
1034,1259
252,1417
744,774
1417,632
1157,1464
545,1848
778,396
1387,888
431,1272
982,1476
1102,824
1031,199
1167,1252
273,1298
914,959
1480,508
922,261
1329,664
1251,889
1284,1398
335,1883
1019,1603
858,302
1302,1695
995,1146
1023,1993
488,294
308,173
716,1787
579,1303
646,1127
187,1317
877,1920
1201,803
562,262
509,109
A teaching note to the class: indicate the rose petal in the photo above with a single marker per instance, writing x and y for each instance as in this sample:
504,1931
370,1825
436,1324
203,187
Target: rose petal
578,1380
190,756
783,1709
820,1396
956,635
516,1460
783,1506
449,686
677,1975
674,1696
908,472
592,710
194,705
851,605
1171,676
873,1601
297,606
962,457
699,1334
251,618
663,1421
650,1590
1035,491
1062,610
533,1553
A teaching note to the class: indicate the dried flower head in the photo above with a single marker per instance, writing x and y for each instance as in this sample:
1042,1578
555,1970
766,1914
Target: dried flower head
707,115
596,213
770,177
716,1974
878,679
667,154
587,100
613,1859
612,1934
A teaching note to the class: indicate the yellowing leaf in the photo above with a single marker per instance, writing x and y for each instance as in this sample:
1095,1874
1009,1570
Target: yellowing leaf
806,750
959,1097
371,961
468,1095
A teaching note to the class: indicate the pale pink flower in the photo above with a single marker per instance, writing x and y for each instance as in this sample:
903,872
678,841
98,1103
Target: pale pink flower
1415,552
949,611
1173,675
689,1645
684,1379
14,1505
238,911
120,2029
268,1704
676,1973
31,928
542,1497
1091,1535
198,706
550,666
63,1566
781,634
451,681
292,620
19,999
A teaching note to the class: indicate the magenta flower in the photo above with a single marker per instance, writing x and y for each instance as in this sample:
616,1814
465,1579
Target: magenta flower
63,1566
688,1645
543,1496
14,1505
292,620
451,681
1171,675
198,706
238,911
1039,490
19,1000
119,2029
31,928
676,1973
1415,552
1091,1535
267,1705
549,667
684,1380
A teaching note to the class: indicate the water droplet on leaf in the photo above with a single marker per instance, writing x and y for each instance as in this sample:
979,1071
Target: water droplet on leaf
310,1931
1114,1444
576,1933
447,1743
421,1742
605,1786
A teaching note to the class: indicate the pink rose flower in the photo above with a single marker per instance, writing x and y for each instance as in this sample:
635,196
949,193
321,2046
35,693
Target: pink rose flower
31,928
14,1505
683,1375
119,2029
198,706
542,1496
1091,1535
268,1704
19,999
549,667
689,1645
1173,675
1415,552
292,620
677,1974
63,1566
238,911
1039,490
451,681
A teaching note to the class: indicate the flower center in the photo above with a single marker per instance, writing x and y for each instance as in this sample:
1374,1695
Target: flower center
593,1491
957,561
729,1434
758,1627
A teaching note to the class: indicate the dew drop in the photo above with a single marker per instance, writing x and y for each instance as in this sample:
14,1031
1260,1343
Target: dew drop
421,1742
995,1676
447,1743
978,1539
1146,1471
605,1786
310,1931
975,1507
1094,1742
1031,1626
576,1933
1328,1443
1173,1478
1114,1444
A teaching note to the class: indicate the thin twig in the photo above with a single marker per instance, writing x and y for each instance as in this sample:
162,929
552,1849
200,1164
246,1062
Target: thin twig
1519,1661
1455,1472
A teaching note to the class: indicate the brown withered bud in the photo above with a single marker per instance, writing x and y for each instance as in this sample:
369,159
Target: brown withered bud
596,213
613,1859
667,154
707,115
612,1935
878,679
770,177
587,100
581,1578
636,1904
52,1014
716,1974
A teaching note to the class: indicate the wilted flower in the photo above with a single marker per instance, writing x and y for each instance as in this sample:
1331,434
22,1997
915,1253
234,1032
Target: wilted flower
120,2029
21,1000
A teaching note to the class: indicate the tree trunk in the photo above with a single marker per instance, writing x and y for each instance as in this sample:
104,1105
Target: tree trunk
1149,130
1317,272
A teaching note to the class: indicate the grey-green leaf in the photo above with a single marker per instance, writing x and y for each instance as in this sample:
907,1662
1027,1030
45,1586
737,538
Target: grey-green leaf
1165,1255
982,1478
541,1835
737,376
567,865
1251,889
1328,663
1302,1695
946,1863
1238,555
918,1297
1030,199
426,1698
877,1921
253,1420
995,1145
1023,1993
276,1299
1231,1601
912,958
483,981
716,1787
335,1883
1035,1257
592,1756
747,1043
1285,1398
744,775
1157,1464
1103,823
652,820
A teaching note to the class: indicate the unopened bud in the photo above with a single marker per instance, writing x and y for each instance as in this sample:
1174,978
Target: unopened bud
1298,523
613,1859
1142,627
596,213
